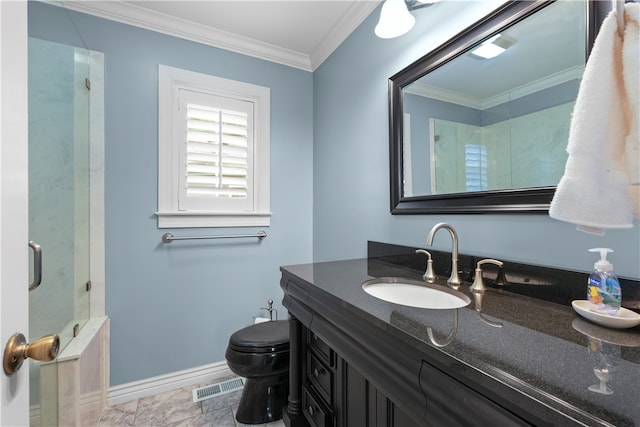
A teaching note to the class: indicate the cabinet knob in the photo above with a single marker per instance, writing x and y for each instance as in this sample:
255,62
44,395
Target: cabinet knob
311,410
316,373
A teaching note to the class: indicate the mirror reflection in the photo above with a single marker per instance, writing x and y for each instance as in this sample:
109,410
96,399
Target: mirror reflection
497,117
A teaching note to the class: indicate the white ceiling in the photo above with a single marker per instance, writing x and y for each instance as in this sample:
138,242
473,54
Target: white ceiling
303,33
549,49
298,33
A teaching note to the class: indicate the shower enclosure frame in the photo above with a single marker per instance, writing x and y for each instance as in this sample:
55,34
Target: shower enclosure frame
73,389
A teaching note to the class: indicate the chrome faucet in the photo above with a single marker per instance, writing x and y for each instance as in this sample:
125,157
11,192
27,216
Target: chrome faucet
454,281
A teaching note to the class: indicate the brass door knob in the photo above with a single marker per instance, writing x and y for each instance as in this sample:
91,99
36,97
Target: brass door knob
17,350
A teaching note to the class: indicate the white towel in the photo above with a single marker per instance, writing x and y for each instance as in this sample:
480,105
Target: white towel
594,191
631,76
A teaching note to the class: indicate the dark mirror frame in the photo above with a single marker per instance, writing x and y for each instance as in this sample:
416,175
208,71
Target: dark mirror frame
525,200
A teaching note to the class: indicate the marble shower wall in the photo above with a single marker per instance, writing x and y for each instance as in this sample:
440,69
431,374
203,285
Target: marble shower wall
526,151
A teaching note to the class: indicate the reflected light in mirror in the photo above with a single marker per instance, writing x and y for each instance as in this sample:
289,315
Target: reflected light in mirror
488,49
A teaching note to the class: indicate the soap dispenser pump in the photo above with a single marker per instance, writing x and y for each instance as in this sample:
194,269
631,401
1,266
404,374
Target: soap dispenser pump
603,288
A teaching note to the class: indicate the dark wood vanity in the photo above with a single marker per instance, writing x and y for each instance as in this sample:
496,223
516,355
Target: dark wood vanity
359,361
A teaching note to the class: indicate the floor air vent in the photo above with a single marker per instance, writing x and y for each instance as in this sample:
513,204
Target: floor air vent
218,389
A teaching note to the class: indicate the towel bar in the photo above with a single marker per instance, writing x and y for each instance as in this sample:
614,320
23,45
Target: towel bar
168,237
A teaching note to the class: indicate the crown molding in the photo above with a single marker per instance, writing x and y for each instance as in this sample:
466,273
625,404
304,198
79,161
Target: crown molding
552,80
425,90
446,95
355,15
150,20
141,17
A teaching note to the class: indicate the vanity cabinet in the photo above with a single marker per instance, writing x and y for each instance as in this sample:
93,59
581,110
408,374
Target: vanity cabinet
336,394
348,372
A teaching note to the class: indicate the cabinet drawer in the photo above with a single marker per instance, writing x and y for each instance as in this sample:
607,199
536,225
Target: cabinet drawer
320,376
320,348
314,411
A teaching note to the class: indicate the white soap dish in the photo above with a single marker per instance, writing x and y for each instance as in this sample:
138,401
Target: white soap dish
624,319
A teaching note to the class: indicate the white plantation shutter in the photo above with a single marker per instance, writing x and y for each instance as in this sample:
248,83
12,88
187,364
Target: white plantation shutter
476,176
216,152
217,137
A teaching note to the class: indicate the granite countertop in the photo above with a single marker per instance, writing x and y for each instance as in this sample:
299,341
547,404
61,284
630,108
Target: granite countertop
541,350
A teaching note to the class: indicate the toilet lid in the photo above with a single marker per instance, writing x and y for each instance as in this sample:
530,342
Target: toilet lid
261,337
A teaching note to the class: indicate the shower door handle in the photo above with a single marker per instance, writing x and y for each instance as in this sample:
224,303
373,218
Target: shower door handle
37,265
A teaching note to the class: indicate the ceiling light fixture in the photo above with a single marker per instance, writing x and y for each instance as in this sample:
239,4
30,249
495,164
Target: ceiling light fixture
395,18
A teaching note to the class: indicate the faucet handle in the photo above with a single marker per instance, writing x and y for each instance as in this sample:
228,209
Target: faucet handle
478,283
429,276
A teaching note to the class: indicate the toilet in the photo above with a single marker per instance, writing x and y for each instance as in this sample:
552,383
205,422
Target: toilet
260,353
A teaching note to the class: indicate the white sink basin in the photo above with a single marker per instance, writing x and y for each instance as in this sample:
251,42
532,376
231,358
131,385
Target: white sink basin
414,293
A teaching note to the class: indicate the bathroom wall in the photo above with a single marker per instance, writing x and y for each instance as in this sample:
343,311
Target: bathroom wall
351,162
173,306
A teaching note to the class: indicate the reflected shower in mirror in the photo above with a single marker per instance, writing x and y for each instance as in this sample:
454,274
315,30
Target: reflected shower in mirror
482,123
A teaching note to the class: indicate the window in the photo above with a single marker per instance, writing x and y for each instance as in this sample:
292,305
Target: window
213,151
475,163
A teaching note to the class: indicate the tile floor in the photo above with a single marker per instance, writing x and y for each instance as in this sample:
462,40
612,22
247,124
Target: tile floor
176,408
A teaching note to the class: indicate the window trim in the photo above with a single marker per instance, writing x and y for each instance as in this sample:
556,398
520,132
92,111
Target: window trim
170,81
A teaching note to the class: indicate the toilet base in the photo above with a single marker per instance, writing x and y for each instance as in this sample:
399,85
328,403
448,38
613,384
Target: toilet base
263,400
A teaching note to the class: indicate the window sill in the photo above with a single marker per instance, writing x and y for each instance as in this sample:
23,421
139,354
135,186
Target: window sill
212,219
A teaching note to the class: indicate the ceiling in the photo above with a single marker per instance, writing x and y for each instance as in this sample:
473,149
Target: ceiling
303,33
298,33
548,49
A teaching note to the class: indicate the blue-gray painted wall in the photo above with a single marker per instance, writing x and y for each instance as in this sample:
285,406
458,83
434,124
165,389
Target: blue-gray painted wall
421,109
351,163
173,307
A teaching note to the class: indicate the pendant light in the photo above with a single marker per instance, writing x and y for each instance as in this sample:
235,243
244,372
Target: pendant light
395,20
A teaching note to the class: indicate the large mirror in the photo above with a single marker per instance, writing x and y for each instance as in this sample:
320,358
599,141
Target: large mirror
481,123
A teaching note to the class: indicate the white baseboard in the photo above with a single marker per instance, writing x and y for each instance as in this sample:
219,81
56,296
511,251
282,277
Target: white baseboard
207,374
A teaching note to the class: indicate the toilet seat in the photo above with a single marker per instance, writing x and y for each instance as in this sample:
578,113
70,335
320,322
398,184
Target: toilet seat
266,337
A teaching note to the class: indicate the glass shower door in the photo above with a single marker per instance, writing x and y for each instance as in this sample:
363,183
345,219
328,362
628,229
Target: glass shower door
58,205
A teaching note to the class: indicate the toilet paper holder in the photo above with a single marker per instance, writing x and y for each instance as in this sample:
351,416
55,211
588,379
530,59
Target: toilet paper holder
270,309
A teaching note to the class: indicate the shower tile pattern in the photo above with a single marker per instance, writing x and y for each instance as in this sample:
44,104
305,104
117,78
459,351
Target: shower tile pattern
176,408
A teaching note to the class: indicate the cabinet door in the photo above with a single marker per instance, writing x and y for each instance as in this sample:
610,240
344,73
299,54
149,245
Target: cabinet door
362,405
400,419
452,403
355,404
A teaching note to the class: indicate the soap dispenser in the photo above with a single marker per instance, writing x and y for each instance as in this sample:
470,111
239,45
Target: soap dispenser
603,288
